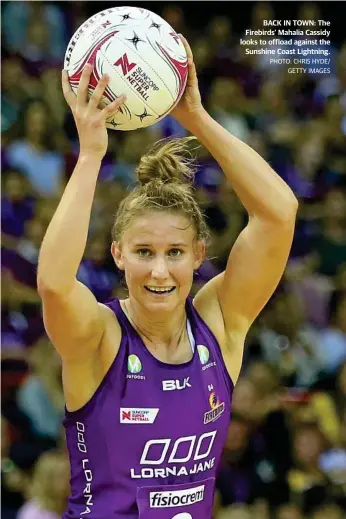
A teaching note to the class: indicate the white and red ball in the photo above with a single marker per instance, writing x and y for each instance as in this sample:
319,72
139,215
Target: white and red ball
143,56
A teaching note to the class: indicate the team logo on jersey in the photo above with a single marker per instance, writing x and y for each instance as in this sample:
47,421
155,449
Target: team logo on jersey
134,366
217,408
204,355
137,415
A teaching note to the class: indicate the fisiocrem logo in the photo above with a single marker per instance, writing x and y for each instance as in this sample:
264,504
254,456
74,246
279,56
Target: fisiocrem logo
172,498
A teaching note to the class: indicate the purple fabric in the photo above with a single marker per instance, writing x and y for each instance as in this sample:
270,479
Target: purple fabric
20,328
15,214
172,418
22,269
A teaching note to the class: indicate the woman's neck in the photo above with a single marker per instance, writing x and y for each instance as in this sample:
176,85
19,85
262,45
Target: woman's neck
159,330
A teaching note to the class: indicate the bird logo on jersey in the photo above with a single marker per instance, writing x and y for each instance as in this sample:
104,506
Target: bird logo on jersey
217,408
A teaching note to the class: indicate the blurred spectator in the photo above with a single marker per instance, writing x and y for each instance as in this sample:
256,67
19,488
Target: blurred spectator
329,510
289,511
307,479
21,320
40,396
35,29
15,91
288,341
17,204
29,245
93,272
17,461
175,16
225,105
332,339
257,452
49,488
35,154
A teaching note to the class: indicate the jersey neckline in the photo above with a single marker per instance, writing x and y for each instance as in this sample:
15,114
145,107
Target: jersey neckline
166,365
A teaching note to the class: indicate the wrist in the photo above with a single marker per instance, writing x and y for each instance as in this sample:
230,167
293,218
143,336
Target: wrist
87,157
195,119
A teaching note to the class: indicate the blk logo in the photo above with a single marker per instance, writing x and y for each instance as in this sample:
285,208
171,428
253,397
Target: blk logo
172,385
123,62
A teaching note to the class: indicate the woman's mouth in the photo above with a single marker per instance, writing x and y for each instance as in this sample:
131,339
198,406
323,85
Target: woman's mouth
159,291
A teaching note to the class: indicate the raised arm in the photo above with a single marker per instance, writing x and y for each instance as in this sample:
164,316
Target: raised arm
258,258
71,313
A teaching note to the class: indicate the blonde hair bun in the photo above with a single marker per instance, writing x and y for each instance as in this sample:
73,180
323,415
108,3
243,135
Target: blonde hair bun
168,161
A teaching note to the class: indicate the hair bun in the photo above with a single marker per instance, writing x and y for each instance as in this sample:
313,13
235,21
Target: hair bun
168,161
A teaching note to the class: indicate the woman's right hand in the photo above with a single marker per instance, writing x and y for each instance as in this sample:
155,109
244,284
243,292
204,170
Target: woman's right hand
90,120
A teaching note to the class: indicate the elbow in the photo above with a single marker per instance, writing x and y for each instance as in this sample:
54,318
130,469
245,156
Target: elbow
295,203
43,286
288,209
51,286
294,206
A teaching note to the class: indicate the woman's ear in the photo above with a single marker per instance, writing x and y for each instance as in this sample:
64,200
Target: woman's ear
117,254
199,253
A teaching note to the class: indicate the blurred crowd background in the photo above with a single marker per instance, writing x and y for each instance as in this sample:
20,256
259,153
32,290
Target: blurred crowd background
285,456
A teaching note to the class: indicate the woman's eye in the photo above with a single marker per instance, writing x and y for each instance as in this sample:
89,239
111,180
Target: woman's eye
143,253
175,253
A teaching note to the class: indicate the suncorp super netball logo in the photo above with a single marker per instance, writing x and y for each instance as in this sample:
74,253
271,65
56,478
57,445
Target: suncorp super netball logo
134,366
204,355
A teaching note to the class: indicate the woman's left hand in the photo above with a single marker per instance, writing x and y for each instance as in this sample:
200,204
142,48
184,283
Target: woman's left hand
190,104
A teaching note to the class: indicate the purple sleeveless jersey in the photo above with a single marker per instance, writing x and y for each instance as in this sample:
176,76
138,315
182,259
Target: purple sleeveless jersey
148,443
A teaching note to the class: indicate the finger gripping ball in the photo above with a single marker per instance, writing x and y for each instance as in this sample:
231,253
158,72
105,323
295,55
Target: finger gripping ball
143,56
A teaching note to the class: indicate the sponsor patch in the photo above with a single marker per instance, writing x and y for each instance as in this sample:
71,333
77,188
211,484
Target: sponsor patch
217,408
173,498
204,354
137,415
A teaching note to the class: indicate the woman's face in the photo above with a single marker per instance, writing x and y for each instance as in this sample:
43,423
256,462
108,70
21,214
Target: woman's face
36,119
15,186
159,251
308,446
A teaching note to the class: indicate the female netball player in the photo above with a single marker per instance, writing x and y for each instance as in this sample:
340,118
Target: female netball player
148,379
